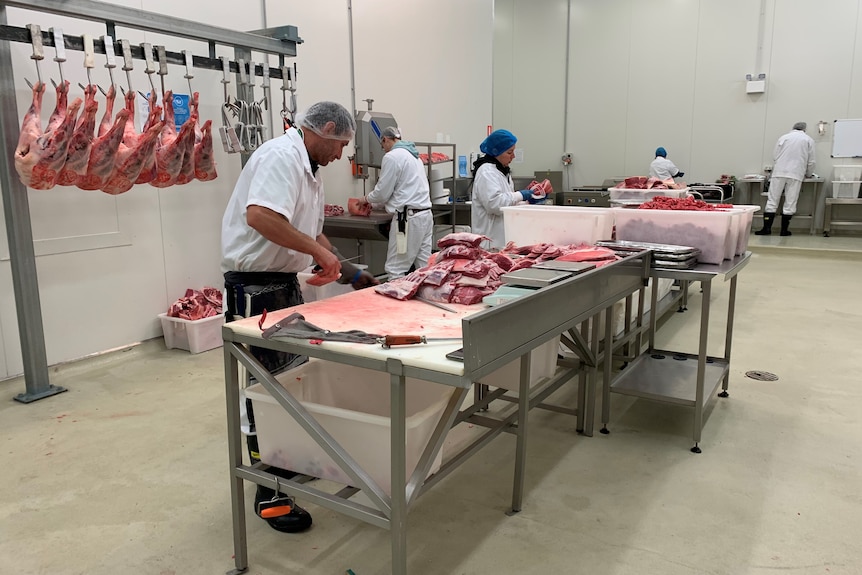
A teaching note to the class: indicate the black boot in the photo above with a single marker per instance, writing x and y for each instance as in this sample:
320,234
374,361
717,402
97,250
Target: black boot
767,225
785,225
294,522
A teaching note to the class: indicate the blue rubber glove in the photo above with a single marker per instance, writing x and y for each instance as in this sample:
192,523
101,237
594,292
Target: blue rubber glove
527,195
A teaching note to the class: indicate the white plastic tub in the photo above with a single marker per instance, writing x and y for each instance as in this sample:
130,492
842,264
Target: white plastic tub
194,336
560,225
543,364
352,404
706,231
744,229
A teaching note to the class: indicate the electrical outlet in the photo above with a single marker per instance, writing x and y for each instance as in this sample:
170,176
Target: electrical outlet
567,159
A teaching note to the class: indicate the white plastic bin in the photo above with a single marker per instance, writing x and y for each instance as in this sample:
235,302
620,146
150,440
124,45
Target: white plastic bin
847,173
744,232
847,189
543,364
706,231
352,405
645,195
194,336
560,225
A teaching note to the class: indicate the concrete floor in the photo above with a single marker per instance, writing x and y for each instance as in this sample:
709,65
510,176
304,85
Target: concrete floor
127,471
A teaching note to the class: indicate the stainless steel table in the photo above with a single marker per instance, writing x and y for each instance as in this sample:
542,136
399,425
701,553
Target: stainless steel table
807,208
492,338
675,377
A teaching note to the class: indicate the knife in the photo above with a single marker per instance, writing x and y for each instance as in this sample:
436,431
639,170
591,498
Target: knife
391,340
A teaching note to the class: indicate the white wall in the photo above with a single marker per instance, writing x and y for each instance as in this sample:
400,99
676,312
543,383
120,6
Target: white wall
107,265
668,73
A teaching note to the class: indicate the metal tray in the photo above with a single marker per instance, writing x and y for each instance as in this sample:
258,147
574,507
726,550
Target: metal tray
676,257
675,265
532,277
574,267
638,246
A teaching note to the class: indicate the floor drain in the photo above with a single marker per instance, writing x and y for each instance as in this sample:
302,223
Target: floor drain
761,375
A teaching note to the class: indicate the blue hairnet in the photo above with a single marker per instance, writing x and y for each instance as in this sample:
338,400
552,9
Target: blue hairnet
661,152
498,142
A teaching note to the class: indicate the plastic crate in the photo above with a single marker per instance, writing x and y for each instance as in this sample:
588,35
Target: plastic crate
543,364
744,228
848,189
847,173
194,336
561,225
707,231
352,405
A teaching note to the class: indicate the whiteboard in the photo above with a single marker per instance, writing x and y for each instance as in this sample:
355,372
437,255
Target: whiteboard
847,139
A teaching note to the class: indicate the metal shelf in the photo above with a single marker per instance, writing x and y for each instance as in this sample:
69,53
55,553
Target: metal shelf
669,377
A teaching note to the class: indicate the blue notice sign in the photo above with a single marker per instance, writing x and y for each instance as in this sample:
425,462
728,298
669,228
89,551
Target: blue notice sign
182,110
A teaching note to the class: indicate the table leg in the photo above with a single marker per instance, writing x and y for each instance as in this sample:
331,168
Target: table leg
521,450
609,358
728,338
706,286
234,440
582,383
398,439
827,219
589,420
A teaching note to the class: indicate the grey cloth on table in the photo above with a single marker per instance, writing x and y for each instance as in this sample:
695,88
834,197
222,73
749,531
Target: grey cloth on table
295,326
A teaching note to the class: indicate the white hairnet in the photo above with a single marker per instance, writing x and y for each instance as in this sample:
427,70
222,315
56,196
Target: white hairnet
391,132
318,115
800,126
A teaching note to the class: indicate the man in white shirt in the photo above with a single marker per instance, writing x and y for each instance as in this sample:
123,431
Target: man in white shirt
662,168
403,190
794,160
272,229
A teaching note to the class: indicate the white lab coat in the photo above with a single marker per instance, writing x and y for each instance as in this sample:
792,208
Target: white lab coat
278,176
492,191
793,155
403,184
662,168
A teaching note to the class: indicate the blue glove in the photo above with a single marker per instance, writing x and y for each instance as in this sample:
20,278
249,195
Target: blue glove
527,195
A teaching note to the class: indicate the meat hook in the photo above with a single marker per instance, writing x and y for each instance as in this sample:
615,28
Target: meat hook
60,49
38,50
110,58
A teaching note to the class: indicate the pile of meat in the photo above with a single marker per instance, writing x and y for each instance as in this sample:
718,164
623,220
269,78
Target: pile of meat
355,208
436,158
645,183
112,157
462,272
197,304
333,210
690,204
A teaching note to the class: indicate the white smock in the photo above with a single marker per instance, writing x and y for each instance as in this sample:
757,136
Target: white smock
794,158
403,184
492,191
662,168
278,176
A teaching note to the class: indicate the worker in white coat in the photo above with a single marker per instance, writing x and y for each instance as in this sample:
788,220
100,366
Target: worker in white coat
793,161
493,188
662,168
403,191
273,228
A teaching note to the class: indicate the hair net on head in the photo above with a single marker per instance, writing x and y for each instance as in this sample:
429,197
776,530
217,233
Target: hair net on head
498,142
661,152
391,132
800,126
318,115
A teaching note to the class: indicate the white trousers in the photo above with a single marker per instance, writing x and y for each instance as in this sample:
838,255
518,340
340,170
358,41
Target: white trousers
790,187
420,228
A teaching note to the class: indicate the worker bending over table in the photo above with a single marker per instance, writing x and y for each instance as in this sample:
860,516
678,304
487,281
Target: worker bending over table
272,229
403,191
